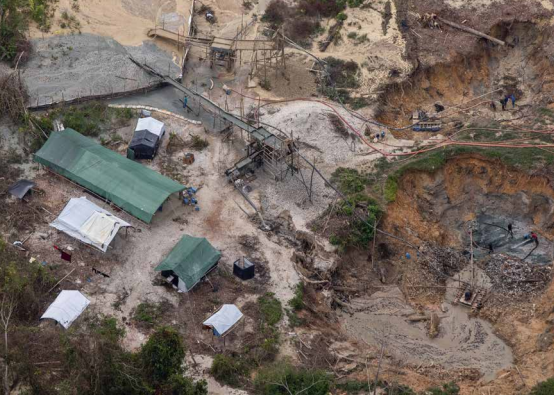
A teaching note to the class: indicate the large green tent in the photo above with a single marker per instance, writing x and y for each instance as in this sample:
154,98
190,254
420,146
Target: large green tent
190,260
130,185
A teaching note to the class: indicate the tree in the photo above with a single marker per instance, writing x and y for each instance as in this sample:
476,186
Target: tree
163,355
13,24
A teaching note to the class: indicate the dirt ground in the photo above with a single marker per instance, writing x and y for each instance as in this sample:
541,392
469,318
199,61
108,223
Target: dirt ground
504,348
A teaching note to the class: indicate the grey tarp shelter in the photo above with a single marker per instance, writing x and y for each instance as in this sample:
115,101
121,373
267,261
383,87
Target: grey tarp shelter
189,261
135,188
20,188
66,308
223,320
144,145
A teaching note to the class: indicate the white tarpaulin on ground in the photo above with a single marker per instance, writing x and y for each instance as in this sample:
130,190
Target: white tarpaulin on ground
152,125
89,223
66,308
224,319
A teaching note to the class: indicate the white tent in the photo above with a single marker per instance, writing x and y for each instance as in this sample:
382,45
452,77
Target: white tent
89,223
224,319
66,308
152,125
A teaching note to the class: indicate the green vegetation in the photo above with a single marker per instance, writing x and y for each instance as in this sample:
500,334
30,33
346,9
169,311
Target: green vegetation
69,21
526,159
343,75
198,143
446,389
265,84
89,356
233,368
284,378
341,16
359,210
543,388
297,302
89,119
270,308
148,313
229,370
349,181
355,3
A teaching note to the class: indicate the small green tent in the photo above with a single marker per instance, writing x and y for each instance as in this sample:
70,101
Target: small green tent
190,260
135,188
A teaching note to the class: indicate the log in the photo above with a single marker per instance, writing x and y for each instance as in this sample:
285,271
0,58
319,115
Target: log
471,31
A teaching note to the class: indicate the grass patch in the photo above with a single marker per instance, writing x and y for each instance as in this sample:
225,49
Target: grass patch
198,143
270,308
229,370
543,388
524,159
297,302
148,313
284,378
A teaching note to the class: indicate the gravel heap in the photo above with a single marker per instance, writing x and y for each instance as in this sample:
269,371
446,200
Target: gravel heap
85,64
443,262
515,277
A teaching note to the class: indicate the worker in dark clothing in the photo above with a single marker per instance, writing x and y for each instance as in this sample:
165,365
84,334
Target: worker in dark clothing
491,248
493,106
513,99
511,230
535,238
467,295
503,103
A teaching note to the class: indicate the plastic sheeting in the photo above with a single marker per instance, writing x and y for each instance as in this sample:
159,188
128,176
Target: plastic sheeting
89,223
66,308
224,319
20,188
152,125
135,188
190,260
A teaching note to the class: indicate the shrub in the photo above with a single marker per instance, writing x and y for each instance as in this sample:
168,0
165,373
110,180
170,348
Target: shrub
276,13
349,181
198,143
228,370
300,29
270,308
543,388
147,313
163,355
341,16
284,378
324,8
297,302
179,385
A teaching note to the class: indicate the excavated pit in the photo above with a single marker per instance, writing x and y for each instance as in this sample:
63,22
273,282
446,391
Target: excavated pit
437,209
523,67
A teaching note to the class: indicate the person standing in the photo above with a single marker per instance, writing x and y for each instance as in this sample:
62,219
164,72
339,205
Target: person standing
513,99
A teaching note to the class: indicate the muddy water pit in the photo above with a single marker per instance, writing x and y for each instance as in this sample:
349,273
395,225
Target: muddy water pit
439,208
462,342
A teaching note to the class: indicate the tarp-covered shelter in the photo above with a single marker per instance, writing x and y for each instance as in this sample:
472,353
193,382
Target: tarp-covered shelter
85,221
224,319
20,188
188,262
144,145
152,125
66,308
135,188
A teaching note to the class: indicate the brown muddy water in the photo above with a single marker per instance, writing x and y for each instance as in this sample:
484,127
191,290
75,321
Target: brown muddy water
463,342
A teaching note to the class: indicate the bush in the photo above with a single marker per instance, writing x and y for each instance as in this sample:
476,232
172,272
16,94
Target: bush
270,308
297,302
198,143
276,13
324,8
341,16
284,378
349,181
228,370
179,385
543,388
163,355
148,313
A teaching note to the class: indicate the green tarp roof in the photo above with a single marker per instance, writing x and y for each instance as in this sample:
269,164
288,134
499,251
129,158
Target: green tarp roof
130,185
190,259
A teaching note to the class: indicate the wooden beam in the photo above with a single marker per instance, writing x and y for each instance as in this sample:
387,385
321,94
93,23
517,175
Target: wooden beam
471,31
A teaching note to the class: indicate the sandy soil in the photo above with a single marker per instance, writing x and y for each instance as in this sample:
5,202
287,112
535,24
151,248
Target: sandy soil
125,21
462,341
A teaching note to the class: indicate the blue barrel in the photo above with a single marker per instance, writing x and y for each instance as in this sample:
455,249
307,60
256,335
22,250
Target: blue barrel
408,256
